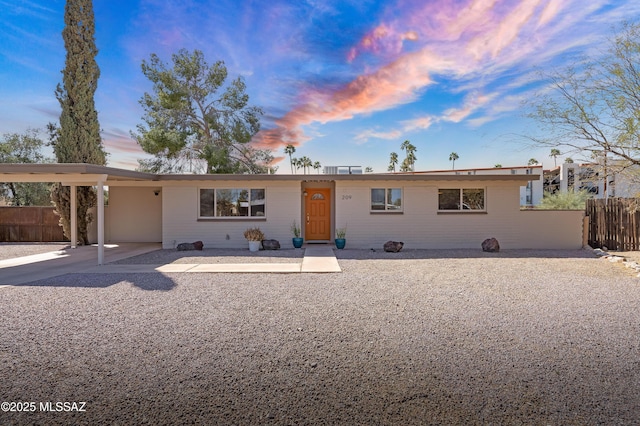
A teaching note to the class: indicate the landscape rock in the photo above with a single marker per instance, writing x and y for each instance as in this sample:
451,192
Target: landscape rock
491,245
599,252
197,245
393,246
270,244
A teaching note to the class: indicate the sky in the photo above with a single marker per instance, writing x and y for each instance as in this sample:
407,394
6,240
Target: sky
344,81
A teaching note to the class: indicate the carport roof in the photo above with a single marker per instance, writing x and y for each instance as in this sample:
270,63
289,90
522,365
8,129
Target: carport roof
79,172
57,172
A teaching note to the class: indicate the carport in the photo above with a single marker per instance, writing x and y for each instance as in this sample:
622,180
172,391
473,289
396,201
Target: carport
75,175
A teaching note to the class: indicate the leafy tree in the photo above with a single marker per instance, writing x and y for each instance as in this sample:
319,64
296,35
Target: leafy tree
568,160
193,115
290,149
568,200
532,162
24,148
594,106
77,140
393,162
453,157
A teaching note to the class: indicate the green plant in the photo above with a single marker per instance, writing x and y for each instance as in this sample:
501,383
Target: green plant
254,234
569,200
295,229
341,232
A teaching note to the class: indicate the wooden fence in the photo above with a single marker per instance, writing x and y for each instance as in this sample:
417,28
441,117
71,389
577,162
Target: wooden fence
614,224
29,224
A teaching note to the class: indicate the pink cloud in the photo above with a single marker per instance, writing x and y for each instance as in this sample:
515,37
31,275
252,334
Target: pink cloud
418,123
382,40
464,40
364,136
365,94
119,141
471,104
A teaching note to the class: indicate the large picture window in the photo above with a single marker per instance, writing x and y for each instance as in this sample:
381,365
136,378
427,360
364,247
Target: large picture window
461,199
386,199
232,202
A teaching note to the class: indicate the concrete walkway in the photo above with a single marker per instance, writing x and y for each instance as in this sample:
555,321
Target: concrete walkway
317,259
21,270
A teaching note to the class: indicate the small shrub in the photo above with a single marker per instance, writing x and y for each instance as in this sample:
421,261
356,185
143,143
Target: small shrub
254,234
570,200
295,229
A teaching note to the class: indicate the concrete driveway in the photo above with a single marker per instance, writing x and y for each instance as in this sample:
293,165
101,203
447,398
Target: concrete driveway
40,266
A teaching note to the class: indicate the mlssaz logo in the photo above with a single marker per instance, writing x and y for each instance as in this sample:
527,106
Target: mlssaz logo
63,406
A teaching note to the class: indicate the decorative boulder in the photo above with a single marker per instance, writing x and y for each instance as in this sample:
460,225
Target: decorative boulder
393,246
270,244
491,245
198,245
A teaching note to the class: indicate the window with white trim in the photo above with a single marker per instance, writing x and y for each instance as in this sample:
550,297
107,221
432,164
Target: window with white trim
467,199
386,199
232,202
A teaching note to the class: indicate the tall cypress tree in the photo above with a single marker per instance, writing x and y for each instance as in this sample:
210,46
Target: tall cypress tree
78,138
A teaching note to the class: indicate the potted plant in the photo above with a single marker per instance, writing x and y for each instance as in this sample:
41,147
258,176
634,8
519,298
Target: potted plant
340,240
297,240
255,237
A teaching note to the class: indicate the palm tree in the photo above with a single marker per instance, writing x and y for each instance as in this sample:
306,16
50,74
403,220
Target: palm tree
393,161
405,166
498,166
368,169
410,150
568,160
411,156
290,149
453,157
317,166
532,161
306,163
406,145
296,162
554,153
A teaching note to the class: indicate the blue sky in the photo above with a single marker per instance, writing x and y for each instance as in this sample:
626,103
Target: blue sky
346,81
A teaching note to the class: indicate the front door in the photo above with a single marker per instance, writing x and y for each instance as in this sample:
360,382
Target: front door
317,208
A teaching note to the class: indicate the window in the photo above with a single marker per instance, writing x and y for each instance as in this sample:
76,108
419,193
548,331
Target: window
386,199
461,199
233,202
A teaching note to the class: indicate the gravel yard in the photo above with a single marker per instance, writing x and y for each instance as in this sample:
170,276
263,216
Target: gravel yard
417,337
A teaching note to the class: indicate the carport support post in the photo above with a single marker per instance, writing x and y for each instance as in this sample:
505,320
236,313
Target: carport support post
74,216
100,223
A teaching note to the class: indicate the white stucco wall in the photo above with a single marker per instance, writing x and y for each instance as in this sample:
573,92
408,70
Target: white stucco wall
422,226
180,221
134,214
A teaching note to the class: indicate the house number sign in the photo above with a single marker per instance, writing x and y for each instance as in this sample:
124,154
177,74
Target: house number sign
346,196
